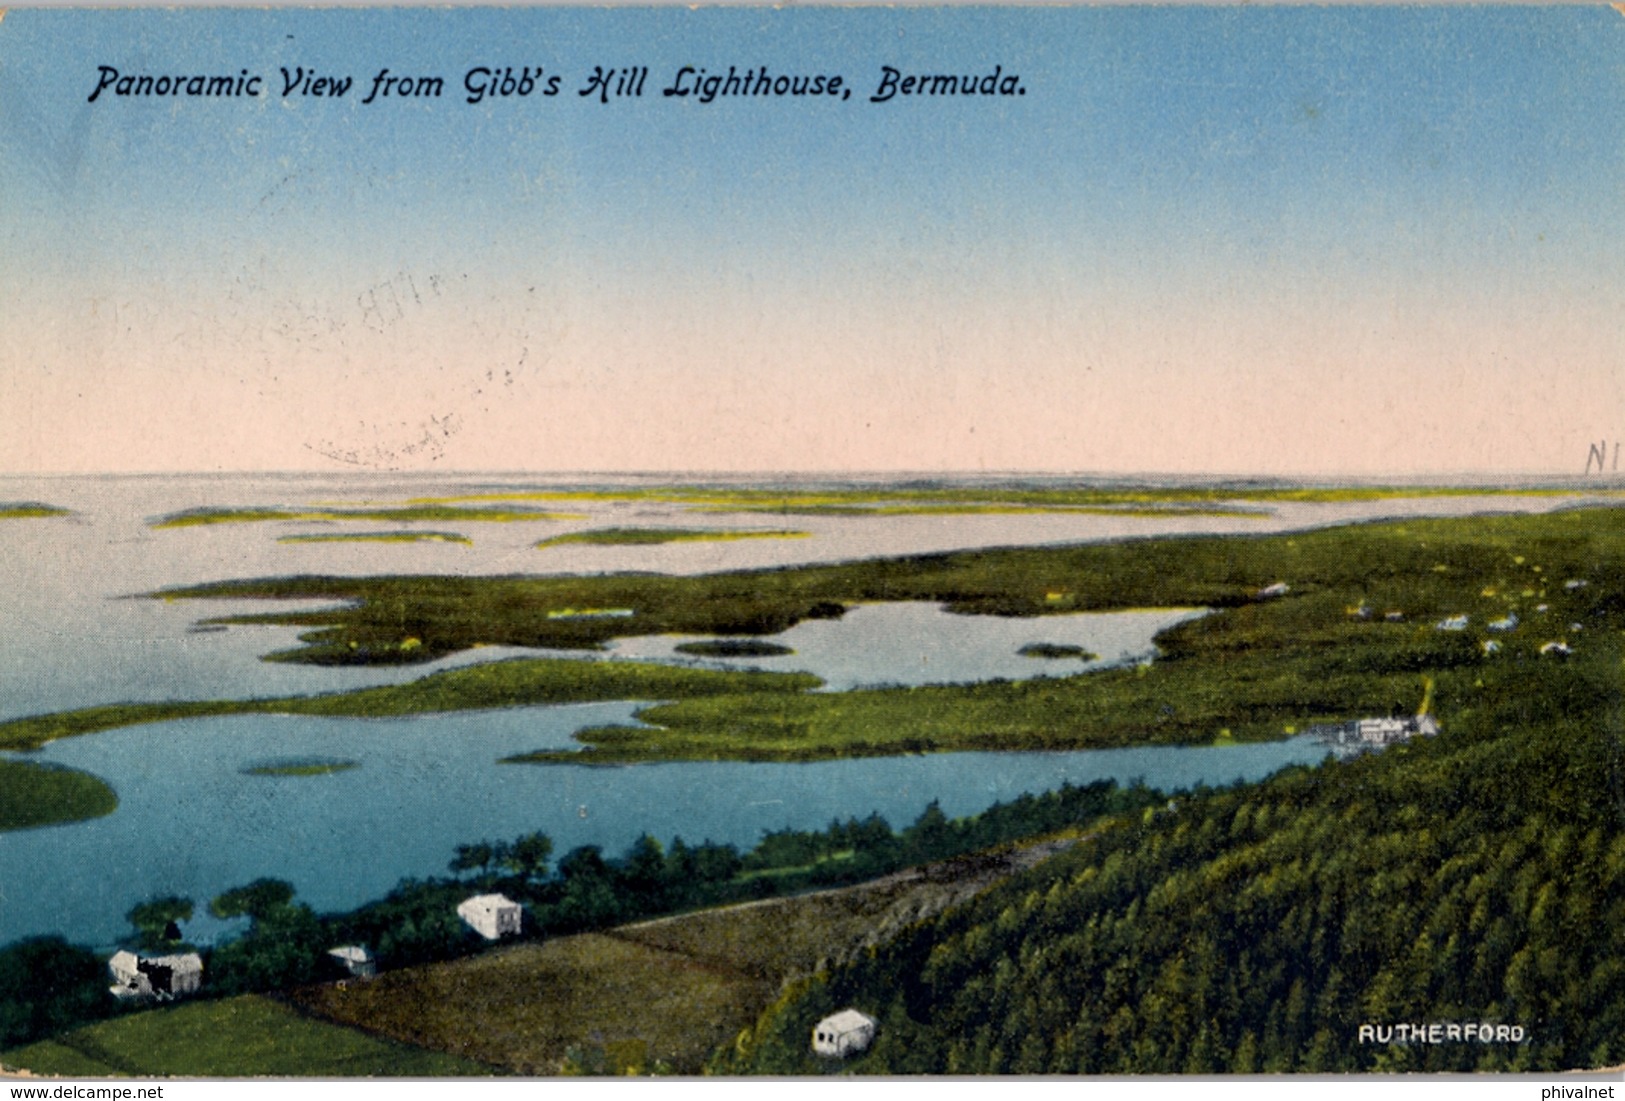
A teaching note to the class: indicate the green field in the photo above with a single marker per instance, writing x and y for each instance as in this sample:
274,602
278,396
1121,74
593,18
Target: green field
241,1037
642,537
38,795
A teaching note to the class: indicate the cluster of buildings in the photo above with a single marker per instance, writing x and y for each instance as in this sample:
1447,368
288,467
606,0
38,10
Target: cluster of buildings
842,1034
164,978
492,916
1376,733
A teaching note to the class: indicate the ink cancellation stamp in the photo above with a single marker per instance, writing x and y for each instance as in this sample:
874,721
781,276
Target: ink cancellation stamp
1067,523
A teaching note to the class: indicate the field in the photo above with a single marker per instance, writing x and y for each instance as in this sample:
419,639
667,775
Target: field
236,1038
656,997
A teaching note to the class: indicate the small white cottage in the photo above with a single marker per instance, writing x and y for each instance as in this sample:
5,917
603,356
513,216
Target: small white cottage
491,916
161,977
842,1034
1382,731
355,960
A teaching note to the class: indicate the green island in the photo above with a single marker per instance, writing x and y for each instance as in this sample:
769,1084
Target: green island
640,537
377,537
199,517
46,795
733,648
1056,651
313,767
29,510
1258,667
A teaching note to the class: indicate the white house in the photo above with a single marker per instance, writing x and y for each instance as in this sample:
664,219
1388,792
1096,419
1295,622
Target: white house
1280,588
491,916
1452,623
845,1033
1382,731
1379,731
161,977
355,960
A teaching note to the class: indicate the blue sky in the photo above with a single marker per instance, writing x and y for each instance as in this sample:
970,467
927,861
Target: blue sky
1238,239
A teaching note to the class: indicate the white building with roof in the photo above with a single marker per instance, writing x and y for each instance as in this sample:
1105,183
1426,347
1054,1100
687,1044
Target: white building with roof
491,916
161,977
842,1034
354,959
1382,731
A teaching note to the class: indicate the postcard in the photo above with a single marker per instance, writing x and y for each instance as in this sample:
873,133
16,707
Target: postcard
1076,540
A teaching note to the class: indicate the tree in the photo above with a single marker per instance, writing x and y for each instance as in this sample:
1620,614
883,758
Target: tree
643,874
480,855
48,986
527,857
584,862
261,900
930,837
152,919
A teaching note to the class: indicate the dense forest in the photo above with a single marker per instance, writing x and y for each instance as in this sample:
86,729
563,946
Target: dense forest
1478,876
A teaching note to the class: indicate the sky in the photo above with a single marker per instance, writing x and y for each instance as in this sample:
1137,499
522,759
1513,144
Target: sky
1322,242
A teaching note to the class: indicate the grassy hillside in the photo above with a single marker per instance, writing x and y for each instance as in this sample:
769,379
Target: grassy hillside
239,1037
658,996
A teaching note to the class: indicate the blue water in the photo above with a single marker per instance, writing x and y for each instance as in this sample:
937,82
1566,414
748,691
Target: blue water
191,822
913,643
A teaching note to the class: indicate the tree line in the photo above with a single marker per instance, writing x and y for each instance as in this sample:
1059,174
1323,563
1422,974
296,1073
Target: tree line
48,985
